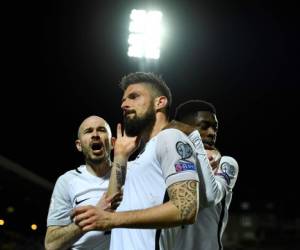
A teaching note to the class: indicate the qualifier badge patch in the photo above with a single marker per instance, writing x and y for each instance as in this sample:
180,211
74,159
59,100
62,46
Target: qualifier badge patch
184,150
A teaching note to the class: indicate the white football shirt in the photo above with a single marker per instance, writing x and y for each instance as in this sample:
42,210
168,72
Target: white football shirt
77,188
169,157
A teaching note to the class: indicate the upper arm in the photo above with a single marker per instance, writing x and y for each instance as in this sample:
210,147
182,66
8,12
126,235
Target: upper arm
60,204
184,195
177,157
178,161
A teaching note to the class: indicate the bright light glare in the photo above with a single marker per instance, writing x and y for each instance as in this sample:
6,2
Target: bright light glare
144,34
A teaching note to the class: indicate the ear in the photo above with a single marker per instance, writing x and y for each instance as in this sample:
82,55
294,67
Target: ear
78,145
160,102
112,142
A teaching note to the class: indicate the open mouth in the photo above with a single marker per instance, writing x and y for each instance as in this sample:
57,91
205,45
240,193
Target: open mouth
96,146
208,144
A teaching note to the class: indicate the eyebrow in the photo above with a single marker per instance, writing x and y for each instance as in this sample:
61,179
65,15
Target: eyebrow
102,127
99,127
131,94
87,129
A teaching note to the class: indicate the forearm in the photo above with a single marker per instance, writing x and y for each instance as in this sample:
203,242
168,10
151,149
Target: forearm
61,238
166,215
118,175
181,209
210,193
124,146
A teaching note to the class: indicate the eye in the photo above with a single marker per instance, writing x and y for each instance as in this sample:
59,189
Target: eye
102,129
204,125
133,96
88,130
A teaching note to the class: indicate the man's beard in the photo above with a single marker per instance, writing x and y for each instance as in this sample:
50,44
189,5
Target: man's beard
135,125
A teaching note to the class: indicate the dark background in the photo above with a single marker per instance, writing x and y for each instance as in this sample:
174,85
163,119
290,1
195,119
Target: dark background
62,61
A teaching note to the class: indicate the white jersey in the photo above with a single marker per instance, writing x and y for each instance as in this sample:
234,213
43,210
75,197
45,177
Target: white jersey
215,197
77,188
169,157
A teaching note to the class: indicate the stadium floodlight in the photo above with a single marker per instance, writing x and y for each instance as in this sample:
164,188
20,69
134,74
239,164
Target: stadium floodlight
144,34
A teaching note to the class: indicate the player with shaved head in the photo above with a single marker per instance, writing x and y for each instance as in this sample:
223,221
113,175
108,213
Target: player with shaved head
84,185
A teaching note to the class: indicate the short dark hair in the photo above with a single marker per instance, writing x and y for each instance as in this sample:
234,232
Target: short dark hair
155,81
192,106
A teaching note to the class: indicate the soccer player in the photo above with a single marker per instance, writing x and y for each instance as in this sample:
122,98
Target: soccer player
215,185
82,186
166,168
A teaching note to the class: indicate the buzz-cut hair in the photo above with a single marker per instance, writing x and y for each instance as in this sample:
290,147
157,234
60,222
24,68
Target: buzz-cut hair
106,125
157,84
191,107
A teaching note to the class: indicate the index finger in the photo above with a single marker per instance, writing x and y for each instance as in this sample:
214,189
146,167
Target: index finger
119,130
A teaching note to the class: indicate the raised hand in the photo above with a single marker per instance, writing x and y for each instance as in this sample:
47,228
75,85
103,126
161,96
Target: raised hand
214,157
124,145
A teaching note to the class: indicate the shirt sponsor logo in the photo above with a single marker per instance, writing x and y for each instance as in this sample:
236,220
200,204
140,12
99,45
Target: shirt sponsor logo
78,202
184,166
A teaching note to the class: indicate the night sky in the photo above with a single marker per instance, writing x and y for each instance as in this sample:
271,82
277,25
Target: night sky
62,61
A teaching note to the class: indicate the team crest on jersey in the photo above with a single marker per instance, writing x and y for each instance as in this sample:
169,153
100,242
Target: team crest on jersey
184,150
184,165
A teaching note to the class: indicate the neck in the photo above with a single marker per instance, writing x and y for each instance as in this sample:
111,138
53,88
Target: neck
101,169
160,122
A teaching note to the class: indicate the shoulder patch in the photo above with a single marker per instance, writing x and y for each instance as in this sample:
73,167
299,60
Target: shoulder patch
184,150
228,169
184,166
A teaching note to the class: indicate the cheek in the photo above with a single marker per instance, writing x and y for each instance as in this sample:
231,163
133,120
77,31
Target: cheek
142,104
84,144
106,143
203,133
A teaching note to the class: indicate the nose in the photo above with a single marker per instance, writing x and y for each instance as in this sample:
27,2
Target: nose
95,134
124,104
